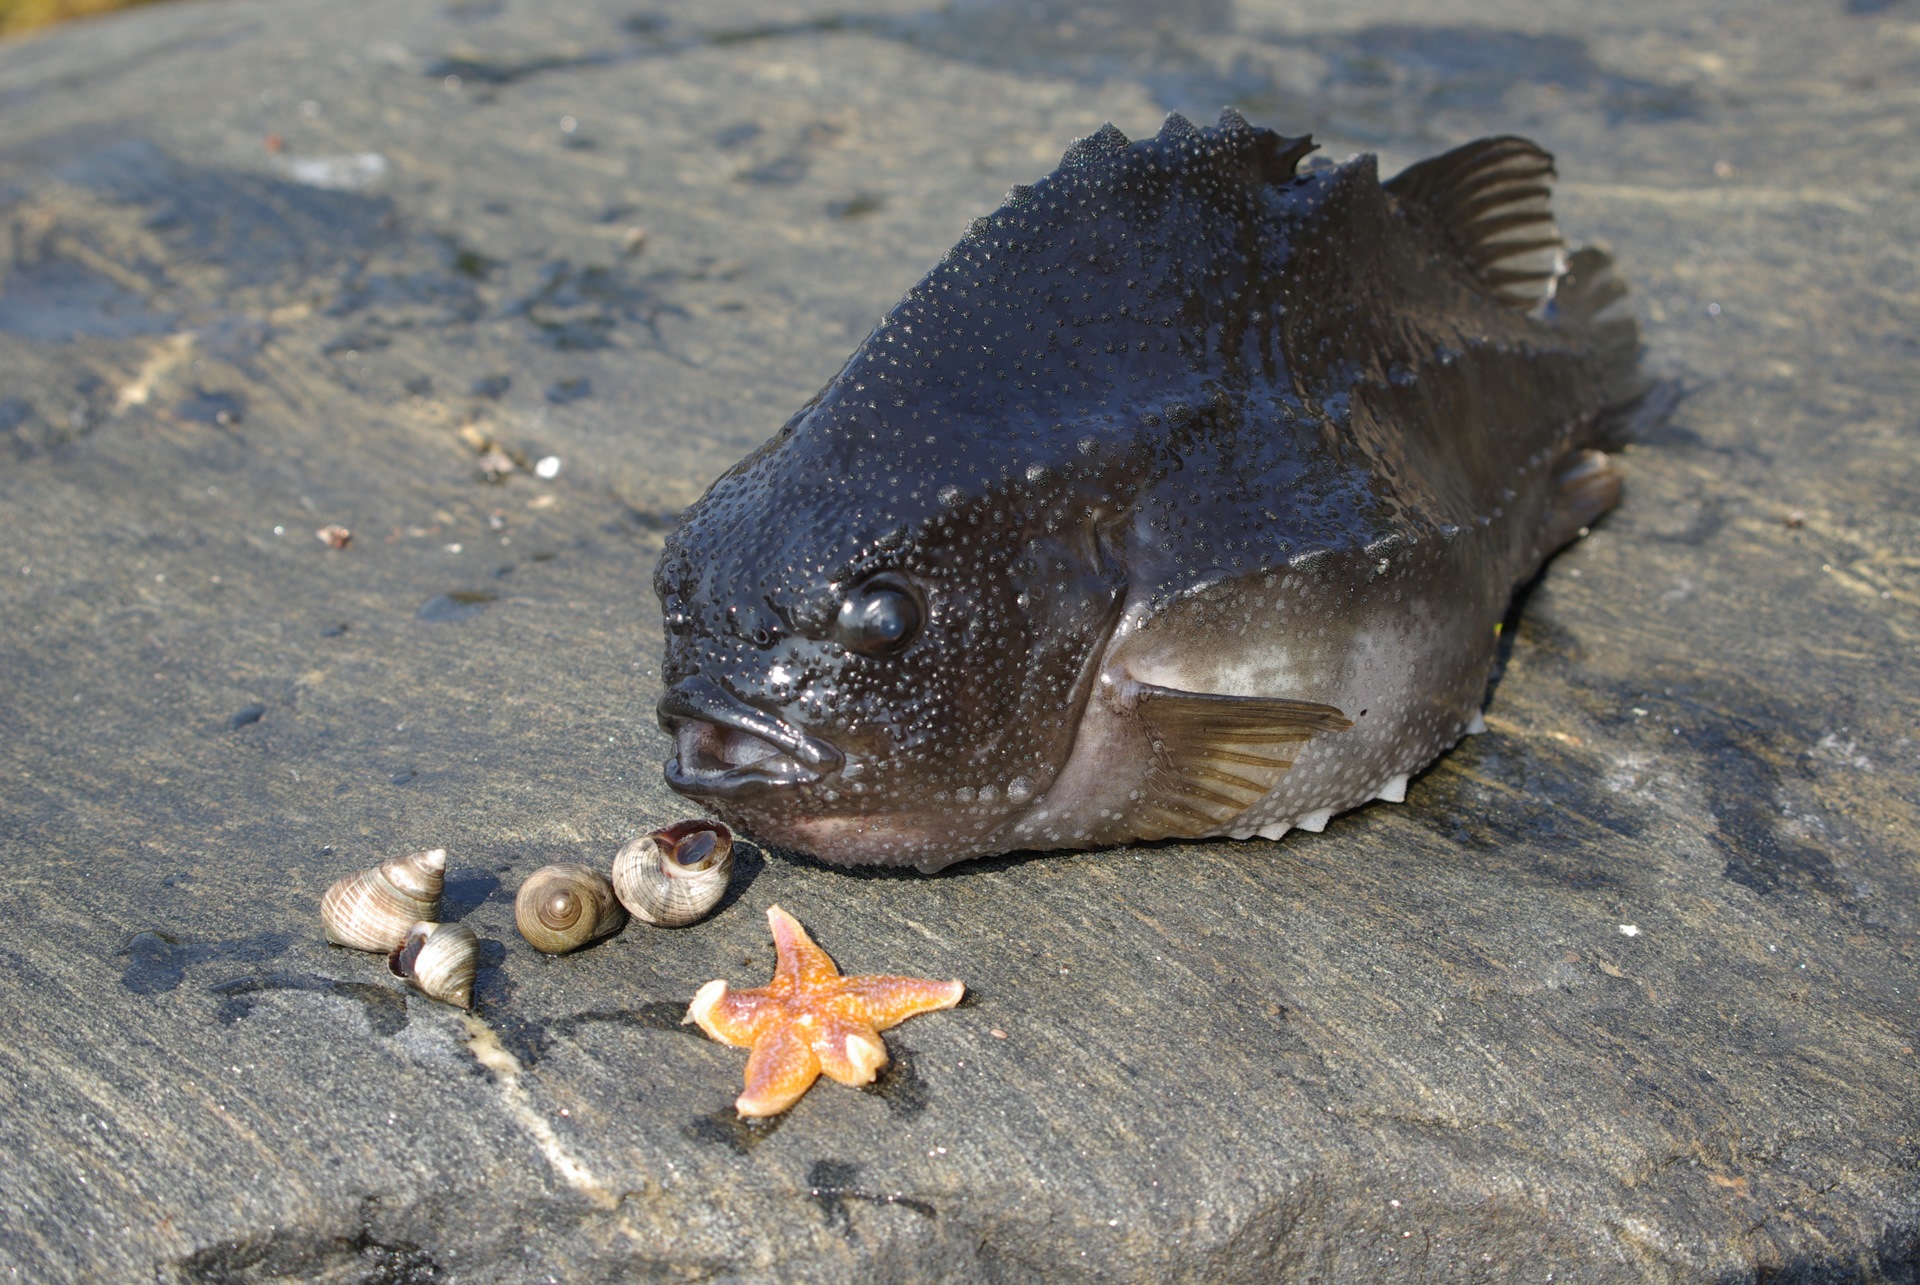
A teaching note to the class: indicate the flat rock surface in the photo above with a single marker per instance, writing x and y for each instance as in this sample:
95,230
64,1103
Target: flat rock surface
1624,991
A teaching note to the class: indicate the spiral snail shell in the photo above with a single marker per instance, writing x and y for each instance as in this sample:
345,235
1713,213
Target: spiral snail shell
440,960
676,876
562,908
372,909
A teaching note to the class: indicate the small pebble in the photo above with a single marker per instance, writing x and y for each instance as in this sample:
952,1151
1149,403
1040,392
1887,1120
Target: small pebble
334,536
548,468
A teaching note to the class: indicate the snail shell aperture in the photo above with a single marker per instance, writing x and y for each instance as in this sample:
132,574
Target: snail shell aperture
562,908
372,909
676,876
440,960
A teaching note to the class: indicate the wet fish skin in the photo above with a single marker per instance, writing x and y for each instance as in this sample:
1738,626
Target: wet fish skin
1198,481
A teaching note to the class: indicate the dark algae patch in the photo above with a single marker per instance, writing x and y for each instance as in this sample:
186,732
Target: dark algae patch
834,1186
384,1006
220,408
532,1039
728,1128
292,1255
568,390
458,604
899,1083
158,961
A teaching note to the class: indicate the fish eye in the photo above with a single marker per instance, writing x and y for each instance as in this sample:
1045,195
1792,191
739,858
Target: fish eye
881,617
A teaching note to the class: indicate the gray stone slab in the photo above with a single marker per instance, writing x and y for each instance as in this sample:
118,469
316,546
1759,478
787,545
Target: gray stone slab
1625,991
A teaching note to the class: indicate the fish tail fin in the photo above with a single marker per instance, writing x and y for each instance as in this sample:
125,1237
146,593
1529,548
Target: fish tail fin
1590,296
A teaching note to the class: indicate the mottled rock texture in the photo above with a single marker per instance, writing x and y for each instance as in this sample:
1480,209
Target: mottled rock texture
1624,991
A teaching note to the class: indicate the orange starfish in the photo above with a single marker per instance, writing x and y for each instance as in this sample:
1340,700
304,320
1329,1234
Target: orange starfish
810,1019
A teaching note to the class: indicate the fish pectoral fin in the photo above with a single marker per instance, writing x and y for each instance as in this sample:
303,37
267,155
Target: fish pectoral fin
1212,757
1585,486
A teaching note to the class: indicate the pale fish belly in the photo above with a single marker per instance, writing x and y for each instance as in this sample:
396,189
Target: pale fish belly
1408,666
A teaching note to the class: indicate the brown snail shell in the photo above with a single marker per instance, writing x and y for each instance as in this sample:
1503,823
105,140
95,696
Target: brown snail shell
562,908
372,909
440,960
676,876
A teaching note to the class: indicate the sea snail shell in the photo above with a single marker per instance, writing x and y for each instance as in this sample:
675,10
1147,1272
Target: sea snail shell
372,909
676,876
440,960
562,908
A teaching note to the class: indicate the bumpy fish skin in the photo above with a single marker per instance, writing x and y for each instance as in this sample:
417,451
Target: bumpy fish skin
1181,498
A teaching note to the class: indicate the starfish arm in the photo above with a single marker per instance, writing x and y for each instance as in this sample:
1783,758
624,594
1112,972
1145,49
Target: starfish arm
800,962
782,1068
809,1020
889,1001
739,1018
850,1052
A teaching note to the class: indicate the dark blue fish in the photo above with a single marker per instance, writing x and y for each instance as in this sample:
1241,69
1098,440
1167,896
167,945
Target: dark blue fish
1181,499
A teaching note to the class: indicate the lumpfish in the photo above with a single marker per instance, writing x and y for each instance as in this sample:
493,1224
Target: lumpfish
1183,497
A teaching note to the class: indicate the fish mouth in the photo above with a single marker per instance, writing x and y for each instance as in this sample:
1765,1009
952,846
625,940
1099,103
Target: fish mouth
724,748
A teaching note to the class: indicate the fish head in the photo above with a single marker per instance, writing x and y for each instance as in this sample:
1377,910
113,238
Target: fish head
882,627
876,663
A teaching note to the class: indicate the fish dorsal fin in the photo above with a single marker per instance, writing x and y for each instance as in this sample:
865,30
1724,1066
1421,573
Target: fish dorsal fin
1103,144
1492,200
1176,131
1213,757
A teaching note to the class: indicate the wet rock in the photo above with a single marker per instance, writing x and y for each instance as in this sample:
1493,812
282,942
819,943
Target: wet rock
1625,990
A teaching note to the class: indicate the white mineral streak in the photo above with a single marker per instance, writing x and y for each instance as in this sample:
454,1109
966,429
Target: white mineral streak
350,172
492,1054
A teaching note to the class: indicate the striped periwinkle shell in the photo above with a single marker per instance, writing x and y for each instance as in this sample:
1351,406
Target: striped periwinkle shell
563,907
676,876
440,960
372,909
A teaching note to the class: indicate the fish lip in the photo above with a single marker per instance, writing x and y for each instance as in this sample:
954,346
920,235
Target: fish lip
700,714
